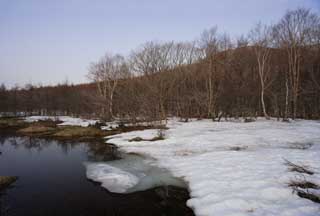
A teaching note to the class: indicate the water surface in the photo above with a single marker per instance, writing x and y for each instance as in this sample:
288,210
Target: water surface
52,181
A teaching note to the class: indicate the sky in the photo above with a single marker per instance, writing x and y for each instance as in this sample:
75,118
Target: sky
51,41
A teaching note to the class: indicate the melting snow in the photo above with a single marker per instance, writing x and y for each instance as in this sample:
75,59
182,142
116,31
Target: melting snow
130,174
231,168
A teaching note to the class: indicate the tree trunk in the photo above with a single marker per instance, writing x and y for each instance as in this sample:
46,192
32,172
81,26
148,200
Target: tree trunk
263,104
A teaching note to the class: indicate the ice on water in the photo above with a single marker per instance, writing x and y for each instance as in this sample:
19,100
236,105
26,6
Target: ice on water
129,174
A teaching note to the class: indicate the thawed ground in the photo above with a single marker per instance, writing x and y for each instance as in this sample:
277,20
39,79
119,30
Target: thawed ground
231,168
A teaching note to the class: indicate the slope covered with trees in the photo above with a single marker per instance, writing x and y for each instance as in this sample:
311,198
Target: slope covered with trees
272,71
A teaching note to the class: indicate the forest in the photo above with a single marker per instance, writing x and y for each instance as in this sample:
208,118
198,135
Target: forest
272,71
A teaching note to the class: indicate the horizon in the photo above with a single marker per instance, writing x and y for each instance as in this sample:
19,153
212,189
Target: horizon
51,42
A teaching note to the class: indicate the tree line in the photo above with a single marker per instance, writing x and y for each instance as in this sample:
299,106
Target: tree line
274,70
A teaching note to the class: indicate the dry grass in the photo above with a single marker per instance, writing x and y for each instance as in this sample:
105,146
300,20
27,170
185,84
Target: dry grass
303,184
308,195
298,168
301,187
76,131
35,129
11,123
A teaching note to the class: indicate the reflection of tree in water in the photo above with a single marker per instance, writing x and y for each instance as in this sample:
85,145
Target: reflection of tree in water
96,150
4,204
33,143
102,152
66,147
2,139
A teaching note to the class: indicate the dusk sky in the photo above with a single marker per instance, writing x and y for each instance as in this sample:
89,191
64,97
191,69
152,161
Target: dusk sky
47,42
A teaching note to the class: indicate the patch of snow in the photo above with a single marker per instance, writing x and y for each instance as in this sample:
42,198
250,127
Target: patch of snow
110,126
66,120
224,181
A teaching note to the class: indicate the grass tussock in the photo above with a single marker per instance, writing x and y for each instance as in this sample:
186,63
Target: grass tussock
308,195
304,184
238,148
303,188
298,168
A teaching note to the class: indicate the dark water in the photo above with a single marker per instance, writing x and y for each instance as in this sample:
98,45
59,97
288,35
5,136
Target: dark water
52,181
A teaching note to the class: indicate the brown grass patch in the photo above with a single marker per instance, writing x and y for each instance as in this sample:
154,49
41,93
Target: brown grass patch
34,129
77,131
11,123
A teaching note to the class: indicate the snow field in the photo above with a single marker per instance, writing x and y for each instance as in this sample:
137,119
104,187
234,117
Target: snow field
251,179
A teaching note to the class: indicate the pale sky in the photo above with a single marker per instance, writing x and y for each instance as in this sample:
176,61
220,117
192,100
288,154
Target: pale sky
49,41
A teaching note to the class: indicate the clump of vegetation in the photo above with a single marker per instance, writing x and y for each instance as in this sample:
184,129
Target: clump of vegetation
11,123
160,136
298,168
137,139
301,187
77,131
248,120
6,181
36,129
238,148
303,184
308,195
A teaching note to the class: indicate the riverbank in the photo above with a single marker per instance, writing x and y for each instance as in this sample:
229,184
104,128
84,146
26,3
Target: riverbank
73,129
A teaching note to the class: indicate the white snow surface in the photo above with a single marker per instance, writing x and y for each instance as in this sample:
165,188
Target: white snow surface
66,120
224,181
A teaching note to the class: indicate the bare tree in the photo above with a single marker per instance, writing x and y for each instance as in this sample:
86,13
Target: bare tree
153,61
215,50
260,37
242,41
106,73
294,32
209,42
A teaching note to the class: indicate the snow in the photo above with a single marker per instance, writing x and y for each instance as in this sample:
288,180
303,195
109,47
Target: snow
129,174
223,181
66,120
